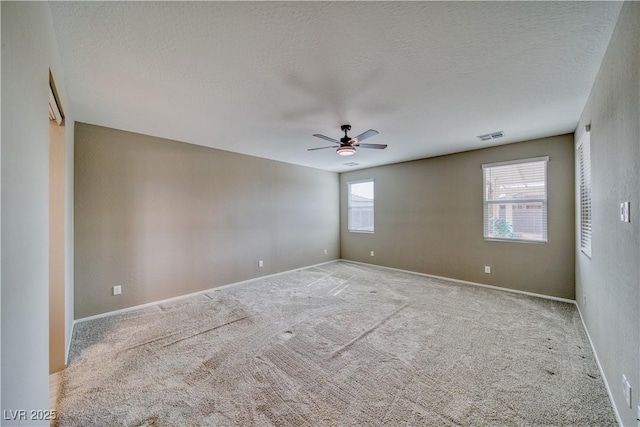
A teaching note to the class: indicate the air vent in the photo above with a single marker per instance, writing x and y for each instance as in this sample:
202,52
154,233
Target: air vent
490,136
350,164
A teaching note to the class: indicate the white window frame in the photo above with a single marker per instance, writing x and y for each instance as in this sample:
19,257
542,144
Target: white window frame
584,191
544,201
349,207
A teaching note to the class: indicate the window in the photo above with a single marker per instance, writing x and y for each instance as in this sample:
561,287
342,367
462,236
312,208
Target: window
515,200
584,166
360,206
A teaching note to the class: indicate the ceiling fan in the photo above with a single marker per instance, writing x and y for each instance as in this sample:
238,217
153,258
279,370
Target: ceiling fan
347,146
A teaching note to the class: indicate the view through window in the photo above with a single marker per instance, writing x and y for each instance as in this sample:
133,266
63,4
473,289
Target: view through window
360,206
515,200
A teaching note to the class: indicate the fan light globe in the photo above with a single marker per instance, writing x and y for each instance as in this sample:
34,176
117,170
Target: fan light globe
346,150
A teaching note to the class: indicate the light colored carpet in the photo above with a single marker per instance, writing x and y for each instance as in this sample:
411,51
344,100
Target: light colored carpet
337,345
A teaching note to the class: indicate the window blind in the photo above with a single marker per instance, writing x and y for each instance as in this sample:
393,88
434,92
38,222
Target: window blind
515,200
584,160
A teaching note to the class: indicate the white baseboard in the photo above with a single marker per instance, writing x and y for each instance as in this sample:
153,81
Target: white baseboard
68,346
604,377
179,297
465,282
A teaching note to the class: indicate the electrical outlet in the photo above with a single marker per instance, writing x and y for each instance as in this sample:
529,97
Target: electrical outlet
325,251
626,386
371,253
487,269
117,290
260,263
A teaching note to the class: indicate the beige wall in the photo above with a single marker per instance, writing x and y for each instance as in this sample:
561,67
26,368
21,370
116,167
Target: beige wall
429,219
609,282
56,247
164,218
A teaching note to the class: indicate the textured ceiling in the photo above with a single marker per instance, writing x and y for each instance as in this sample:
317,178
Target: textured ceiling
260,78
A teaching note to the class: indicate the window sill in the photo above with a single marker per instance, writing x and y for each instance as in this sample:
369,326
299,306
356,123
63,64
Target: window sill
585,254
493,239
